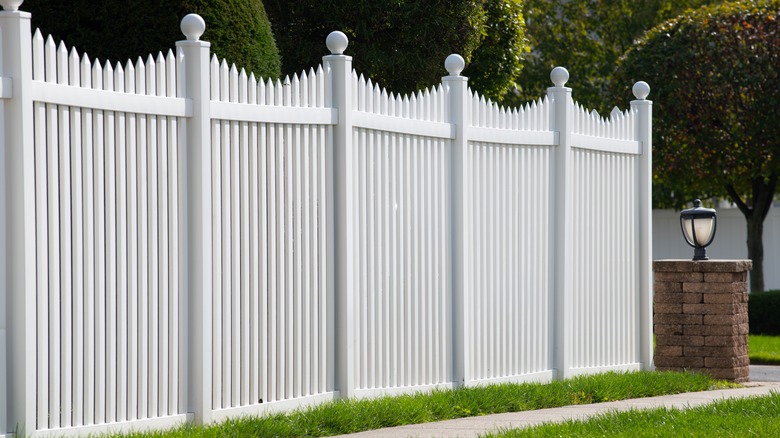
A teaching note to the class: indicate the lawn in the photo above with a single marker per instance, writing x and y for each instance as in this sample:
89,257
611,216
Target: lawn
764,350
759,416
348,416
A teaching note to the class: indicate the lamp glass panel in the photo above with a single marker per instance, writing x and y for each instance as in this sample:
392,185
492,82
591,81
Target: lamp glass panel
704,228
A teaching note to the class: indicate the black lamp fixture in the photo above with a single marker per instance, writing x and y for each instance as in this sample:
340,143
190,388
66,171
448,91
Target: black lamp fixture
698,226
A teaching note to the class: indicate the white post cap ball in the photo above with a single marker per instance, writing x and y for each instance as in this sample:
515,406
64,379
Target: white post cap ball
454,64
193,26
337,42
11,5
559,76
641,90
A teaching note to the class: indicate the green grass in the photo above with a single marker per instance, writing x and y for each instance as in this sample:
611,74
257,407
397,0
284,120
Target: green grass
764,349
759,417
348,416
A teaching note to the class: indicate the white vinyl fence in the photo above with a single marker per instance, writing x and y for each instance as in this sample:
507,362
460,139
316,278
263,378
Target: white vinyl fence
183,241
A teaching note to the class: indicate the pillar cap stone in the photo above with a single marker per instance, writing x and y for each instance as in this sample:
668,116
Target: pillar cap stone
702,265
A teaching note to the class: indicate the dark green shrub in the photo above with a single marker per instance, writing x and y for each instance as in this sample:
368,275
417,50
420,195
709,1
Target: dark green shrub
764,313
402,44
117,30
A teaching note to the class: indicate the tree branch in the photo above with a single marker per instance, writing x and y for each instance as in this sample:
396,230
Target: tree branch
768,195
747,211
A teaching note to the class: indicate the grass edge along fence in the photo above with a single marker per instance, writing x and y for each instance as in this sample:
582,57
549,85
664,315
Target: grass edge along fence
351,416
185,241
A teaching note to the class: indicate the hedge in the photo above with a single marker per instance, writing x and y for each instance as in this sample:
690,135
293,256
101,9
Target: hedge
764,313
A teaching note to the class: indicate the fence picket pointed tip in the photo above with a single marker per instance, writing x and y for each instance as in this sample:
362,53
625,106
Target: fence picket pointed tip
62,48
97,67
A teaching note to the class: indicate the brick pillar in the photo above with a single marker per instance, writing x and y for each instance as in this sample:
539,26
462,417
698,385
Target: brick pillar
700,317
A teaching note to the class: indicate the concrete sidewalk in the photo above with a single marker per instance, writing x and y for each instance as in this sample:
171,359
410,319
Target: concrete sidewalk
763,381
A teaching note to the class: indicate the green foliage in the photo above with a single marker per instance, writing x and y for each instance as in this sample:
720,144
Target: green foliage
587,37
117,30
764,313
714,74
498,60
402,44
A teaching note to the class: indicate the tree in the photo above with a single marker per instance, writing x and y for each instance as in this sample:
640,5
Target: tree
587,37
116,30
714,73
498,60
402,44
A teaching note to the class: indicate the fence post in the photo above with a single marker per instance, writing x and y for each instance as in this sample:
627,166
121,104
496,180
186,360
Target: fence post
194,85
342,183
643,131
561,215
17,211
457,94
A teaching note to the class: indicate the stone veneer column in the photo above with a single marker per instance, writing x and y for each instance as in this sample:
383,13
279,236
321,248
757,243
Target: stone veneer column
700,317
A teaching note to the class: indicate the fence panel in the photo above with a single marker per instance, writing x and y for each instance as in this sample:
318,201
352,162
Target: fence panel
108,198
511,290
605,248
403,320
272,326
605,256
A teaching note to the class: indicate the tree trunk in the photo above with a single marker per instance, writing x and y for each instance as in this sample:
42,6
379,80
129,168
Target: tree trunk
763,194
755,243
